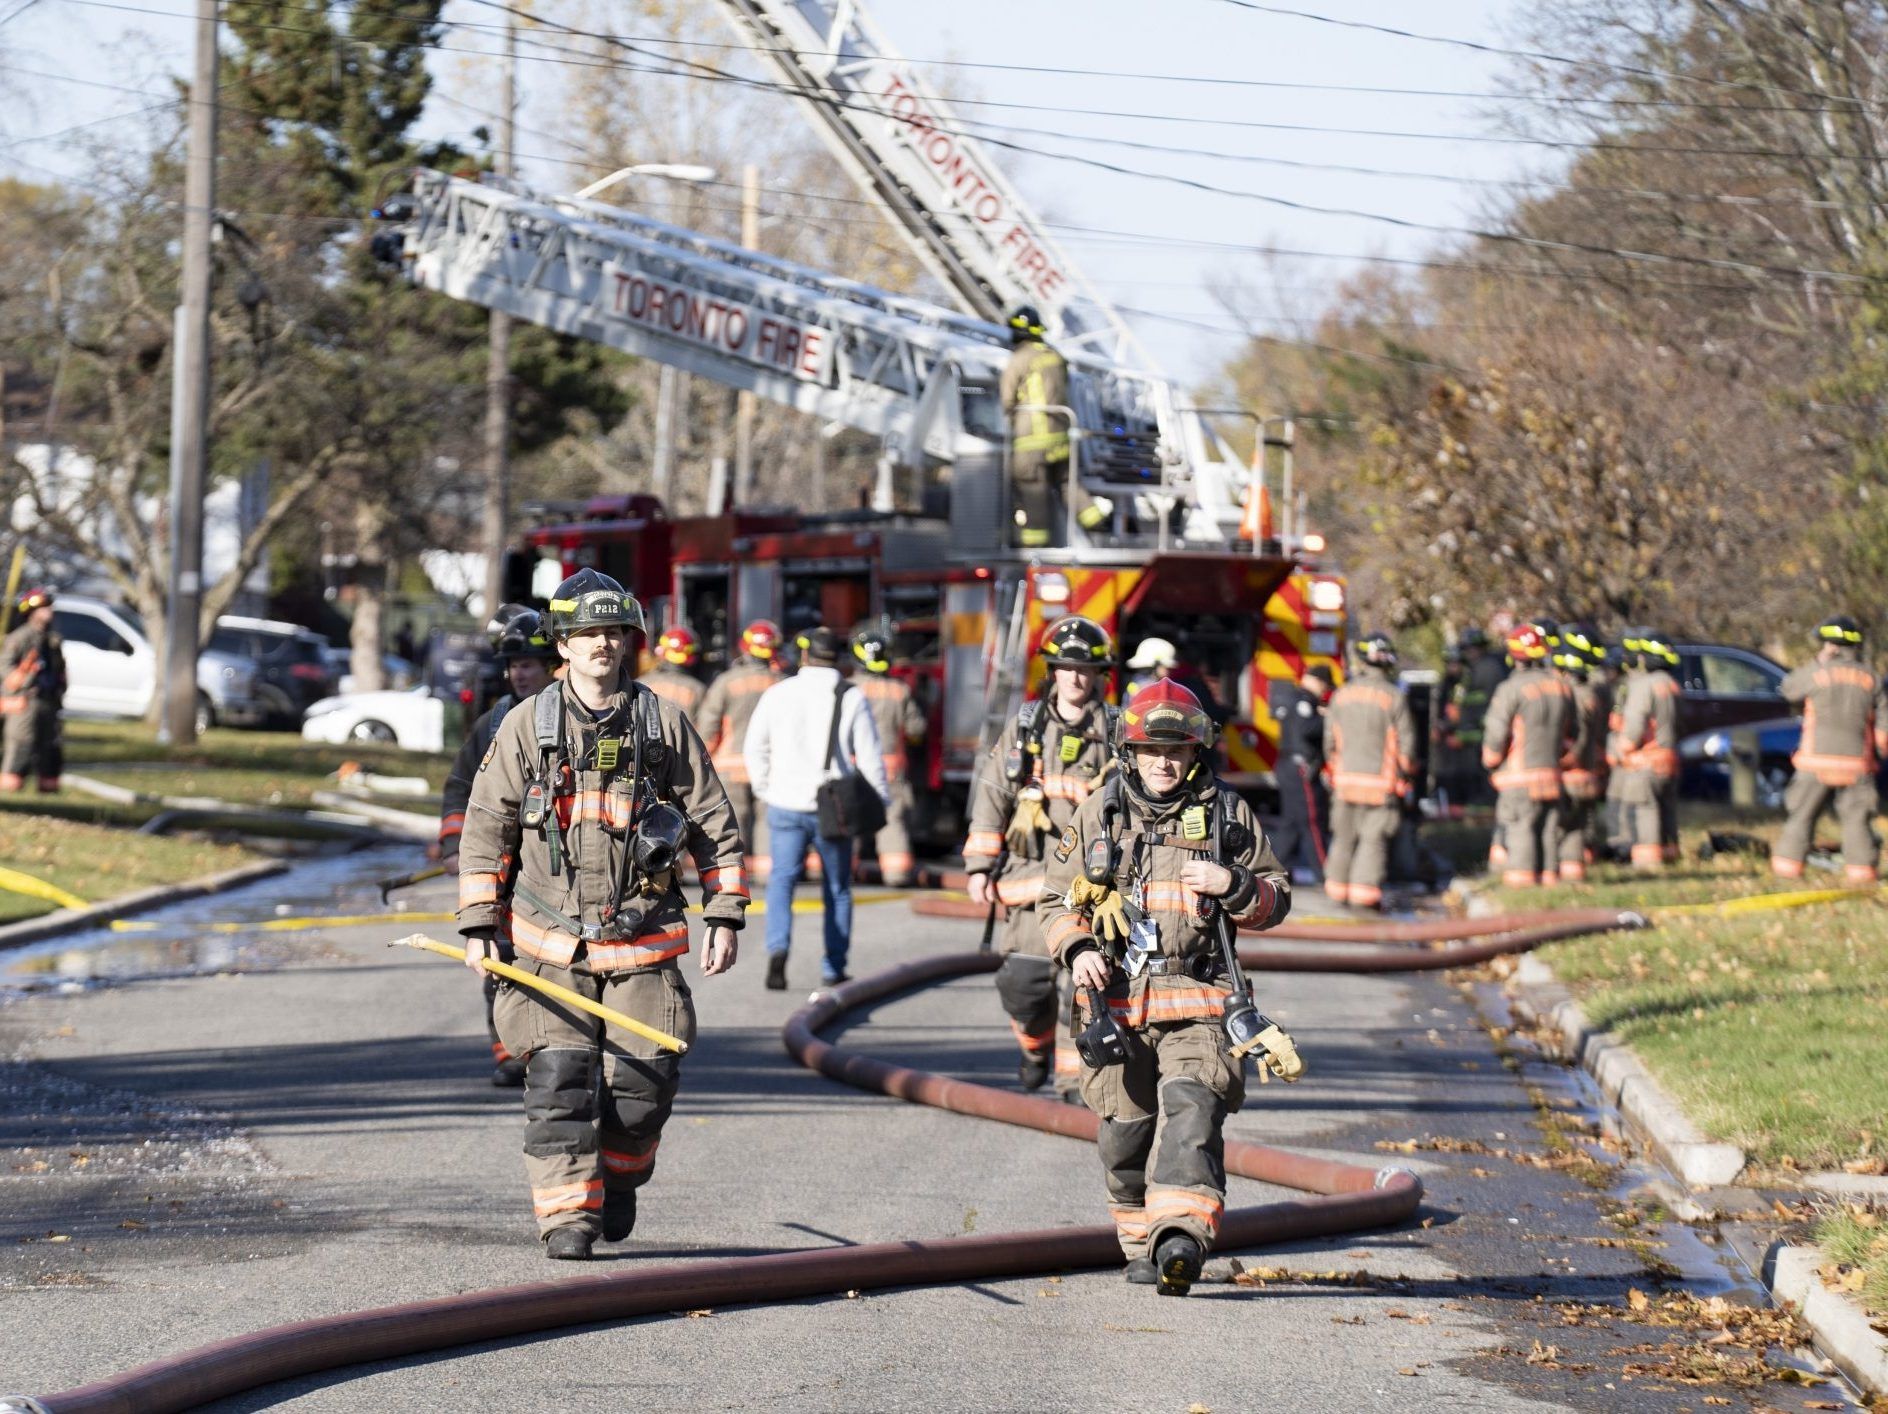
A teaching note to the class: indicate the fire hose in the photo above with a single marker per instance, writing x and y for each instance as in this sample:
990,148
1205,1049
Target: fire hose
1339,1198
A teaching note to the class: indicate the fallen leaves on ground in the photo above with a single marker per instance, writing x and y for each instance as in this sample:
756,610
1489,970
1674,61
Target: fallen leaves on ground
1259,1276
1567,1158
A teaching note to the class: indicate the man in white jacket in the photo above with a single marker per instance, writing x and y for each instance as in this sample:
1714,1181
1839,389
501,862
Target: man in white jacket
788,758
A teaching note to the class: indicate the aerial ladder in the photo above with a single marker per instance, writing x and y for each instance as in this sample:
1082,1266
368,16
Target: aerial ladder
905,146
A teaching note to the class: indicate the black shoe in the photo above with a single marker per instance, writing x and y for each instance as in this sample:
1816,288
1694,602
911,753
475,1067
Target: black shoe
1033,1073
568,1244
1140,1272
777,972
1178,1260
508,1074
619,1216
833,979
1073,1097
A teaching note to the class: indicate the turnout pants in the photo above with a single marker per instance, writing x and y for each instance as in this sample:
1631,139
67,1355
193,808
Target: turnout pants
1582,836
594,1102
1304,817
1359,854
1648,816
1530,831
893,844
1854,807
750,817
1163,1114
35,746
1035,995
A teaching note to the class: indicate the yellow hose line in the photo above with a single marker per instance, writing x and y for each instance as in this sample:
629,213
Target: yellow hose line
15,882
1766,903
311,922
550,989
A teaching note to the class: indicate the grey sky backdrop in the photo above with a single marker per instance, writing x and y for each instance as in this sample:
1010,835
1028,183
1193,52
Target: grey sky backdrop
84,62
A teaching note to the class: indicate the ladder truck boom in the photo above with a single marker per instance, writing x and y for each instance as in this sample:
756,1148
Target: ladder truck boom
903,144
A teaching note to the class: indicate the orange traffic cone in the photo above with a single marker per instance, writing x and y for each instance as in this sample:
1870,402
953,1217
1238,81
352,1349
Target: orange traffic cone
1256,523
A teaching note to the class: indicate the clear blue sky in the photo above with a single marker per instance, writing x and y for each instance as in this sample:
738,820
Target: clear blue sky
1169,252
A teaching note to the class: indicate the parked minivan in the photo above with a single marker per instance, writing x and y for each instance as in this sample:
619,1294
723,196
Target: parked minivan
112,672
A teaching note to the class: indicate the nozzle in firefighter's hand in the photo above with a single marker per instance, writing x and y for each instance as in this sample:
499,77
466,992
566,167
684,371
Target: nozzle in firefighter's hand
1029,822
1106,909
1278,1055
480,944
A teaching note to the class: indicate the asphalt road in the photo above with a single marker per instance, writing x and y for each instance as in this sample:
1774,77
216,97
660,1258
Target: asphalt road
186,1159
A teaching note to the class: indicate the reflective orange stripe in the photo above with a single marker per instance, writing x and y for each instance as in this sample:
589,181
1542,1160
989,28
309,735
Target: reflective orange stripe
1648,856
1168,1205
1034,1043
1168,1004
646,950
1062,927
1519,878
452,826
1366,895
477,886
622,1161
1074,789
1786,868
725,879
595,806
985,843
572,1197
1131,1223
1858,874
1019,891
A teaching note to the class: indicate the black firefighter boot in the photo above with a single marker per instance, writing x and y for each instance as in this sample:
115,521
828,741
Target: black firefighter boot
619,1215
1033,1073
568,1244
1140,1272
508,1074
1177,1260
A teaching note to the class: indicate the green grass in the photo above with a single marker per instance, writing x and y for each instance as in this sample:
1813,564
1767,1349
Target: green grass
98,862
271,769
1858,1239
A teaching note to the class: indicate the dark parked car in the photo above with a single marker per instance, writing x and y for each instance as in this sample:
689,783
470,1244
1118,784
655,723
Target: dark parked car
1723,686
292,670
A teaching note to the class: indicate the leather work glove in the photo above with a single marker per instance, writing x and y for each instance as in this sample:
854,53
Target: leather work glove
1029,822
1107,910
657,885
1280,1057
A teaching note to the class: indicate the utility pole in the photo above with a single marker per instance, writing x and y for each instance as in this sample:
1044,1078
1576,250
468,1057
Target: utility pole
190,397
744,402
498,370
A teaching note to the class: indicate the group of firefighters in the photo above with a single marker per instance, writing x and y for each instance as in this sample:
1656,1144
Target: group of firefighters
1123,860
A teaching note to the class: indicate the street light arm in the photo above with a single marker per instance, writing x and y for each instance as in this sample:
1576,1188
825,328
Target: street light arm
674,171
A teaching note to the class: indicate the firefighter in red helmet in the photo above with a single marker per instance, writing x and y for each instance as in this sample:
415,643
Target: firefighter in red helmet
1141,892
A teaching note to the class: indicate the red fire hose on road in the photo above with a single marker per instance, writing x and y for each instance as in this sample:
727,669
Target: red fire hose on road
1342,1198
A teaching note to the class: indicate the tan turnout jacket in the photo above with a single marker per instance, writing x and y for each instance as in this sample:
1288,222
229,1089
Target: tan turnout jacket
1845,719
505,870
1369,733
1066,770
1530,728
726,709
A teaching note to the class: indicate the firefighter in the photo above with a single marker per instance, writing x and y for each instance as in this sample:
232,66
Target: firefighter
673,679
1463,712
579,815
1642,749
32,689
901,726
1581,656
1137,888
1035,379
1528,728
1045,763
528,657
1304,797
722,716
1845,733
1368,733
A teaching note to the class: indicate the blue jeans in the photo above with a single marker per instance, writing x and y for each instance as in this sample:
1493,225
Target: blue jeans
791,833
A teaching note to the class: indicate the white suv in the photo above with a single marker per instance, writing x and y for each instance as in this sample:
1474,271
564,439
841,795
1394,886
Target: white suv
112,672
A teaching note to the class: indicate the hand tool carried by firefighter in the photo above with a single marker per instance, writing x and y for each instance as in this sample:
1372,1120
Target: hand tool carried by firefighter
1102,1042
550,989
401,881
1247,1028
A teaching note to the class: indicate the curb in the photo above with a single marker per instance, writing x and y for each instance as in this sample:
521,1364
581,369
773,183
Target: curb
1654,1116
1841,1329
73,920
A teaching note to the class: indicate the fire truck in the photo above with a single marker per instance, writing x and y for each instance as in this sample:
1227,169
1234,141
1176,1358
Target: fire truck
1188,554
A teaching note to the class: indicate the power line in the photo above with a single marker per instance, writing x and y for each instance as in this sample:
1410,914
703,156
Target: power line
1540,56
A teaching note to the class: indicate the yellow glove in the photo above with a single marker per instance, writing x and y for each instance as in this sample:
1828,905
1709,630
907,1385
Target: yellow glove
1107,910
1029,822
1279,1056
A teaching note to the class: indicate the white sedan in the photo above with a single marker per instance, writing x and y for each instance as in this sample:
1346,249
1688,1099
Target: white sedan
413,720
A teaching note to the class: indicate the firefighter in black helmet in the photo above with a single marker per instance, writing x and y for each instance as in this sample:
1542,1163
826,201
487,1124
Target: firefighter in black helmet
1845,733
1042,458
571,843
